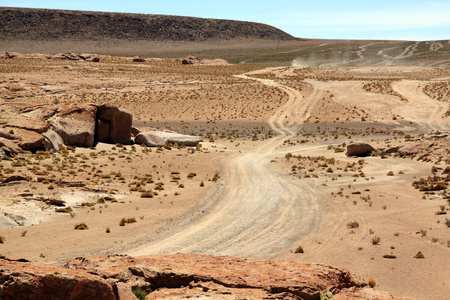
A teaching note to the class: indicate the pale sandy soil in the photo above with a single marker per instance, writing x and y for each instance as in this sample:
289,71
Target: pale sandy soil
259,207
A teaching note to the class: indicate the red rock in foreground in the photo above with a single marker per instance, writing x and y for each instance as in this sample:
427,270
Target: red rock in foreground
179,276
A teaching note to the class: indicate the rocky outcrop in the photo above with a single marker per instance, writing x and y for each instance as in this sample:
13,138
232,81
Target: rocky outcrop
161,138
179,276
26,280
76,124
45,126
75,56
359,149
114,124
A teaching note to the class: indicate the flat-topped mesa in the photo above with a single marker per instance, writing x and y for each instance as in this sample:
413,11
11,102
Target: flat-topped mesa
39,127
179,275
18,24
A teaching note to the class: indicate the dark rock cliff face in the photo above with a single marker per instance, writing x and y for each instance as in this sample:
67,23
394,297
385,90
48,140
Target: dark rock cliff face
48,25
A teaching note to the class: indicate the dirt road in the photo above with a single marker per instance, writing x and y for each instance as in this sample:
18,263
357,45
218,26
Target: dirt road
255,211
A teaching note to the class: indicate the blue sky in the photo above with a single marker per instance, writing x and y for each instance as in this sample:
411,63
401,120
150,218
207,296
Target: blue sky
333,19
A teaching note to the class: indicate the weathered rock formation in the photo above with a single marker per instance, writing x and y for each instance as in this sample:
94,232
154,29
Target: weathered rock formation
113,124
76,124
359,149
161,138
179,276
39,127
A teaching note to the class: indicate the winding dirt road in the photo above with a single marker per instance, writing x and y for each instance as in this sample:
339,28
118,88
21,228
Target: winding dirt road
254,212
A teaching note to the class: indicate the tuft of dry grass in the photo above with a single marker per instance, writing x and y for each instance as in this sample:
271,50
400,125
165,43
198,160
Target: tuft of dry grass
372,282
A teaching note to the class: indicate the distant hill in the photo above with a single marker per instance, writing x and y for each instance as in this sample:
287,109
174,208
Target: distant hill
53,25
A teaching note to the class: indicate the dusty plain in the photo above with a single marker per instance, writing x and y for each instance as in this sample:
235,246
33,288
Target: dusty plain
273,166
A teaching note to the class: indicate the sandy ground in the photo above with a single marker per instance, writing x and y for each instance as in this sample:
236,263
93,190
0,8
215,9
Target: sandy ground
263,122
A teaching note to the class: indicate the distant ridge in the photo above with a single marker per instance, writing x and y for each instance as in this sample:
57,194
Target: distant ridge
52,25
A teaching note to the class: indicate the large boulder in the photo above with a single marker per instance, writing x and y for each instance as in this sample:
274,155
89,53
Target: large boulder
76,124
114,124
160,138
359,149
149,139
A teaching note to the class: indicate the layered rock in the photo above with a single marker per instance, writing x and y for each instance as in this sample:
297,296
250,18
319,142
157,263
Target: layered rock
179,276
161,138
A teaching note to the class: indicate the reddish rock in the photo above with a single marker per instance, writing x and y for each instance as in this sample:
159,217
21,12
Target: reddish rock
30,140
76,124
359,149
196,276
120,122
26,139
33,281
178,276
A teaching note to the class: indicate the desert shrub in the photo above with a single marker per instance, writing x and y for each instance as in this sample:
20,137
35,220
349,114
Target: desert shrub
390,173
2,239
299,249
147,194
372,282
140,294
419,255
81,226
202,183
353,224
376,240
108,230
124,221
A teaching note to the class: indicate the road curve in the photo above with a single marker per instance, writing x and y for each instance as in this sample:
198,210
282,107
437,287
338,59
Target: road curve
253,211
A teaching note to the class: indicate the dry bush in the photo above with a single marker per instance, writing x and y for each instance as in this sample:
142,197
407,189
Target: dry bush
372,282
81,226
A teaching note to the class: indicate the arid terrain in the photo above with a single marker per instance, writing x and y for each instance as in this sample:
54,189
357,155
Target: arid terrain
271,178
